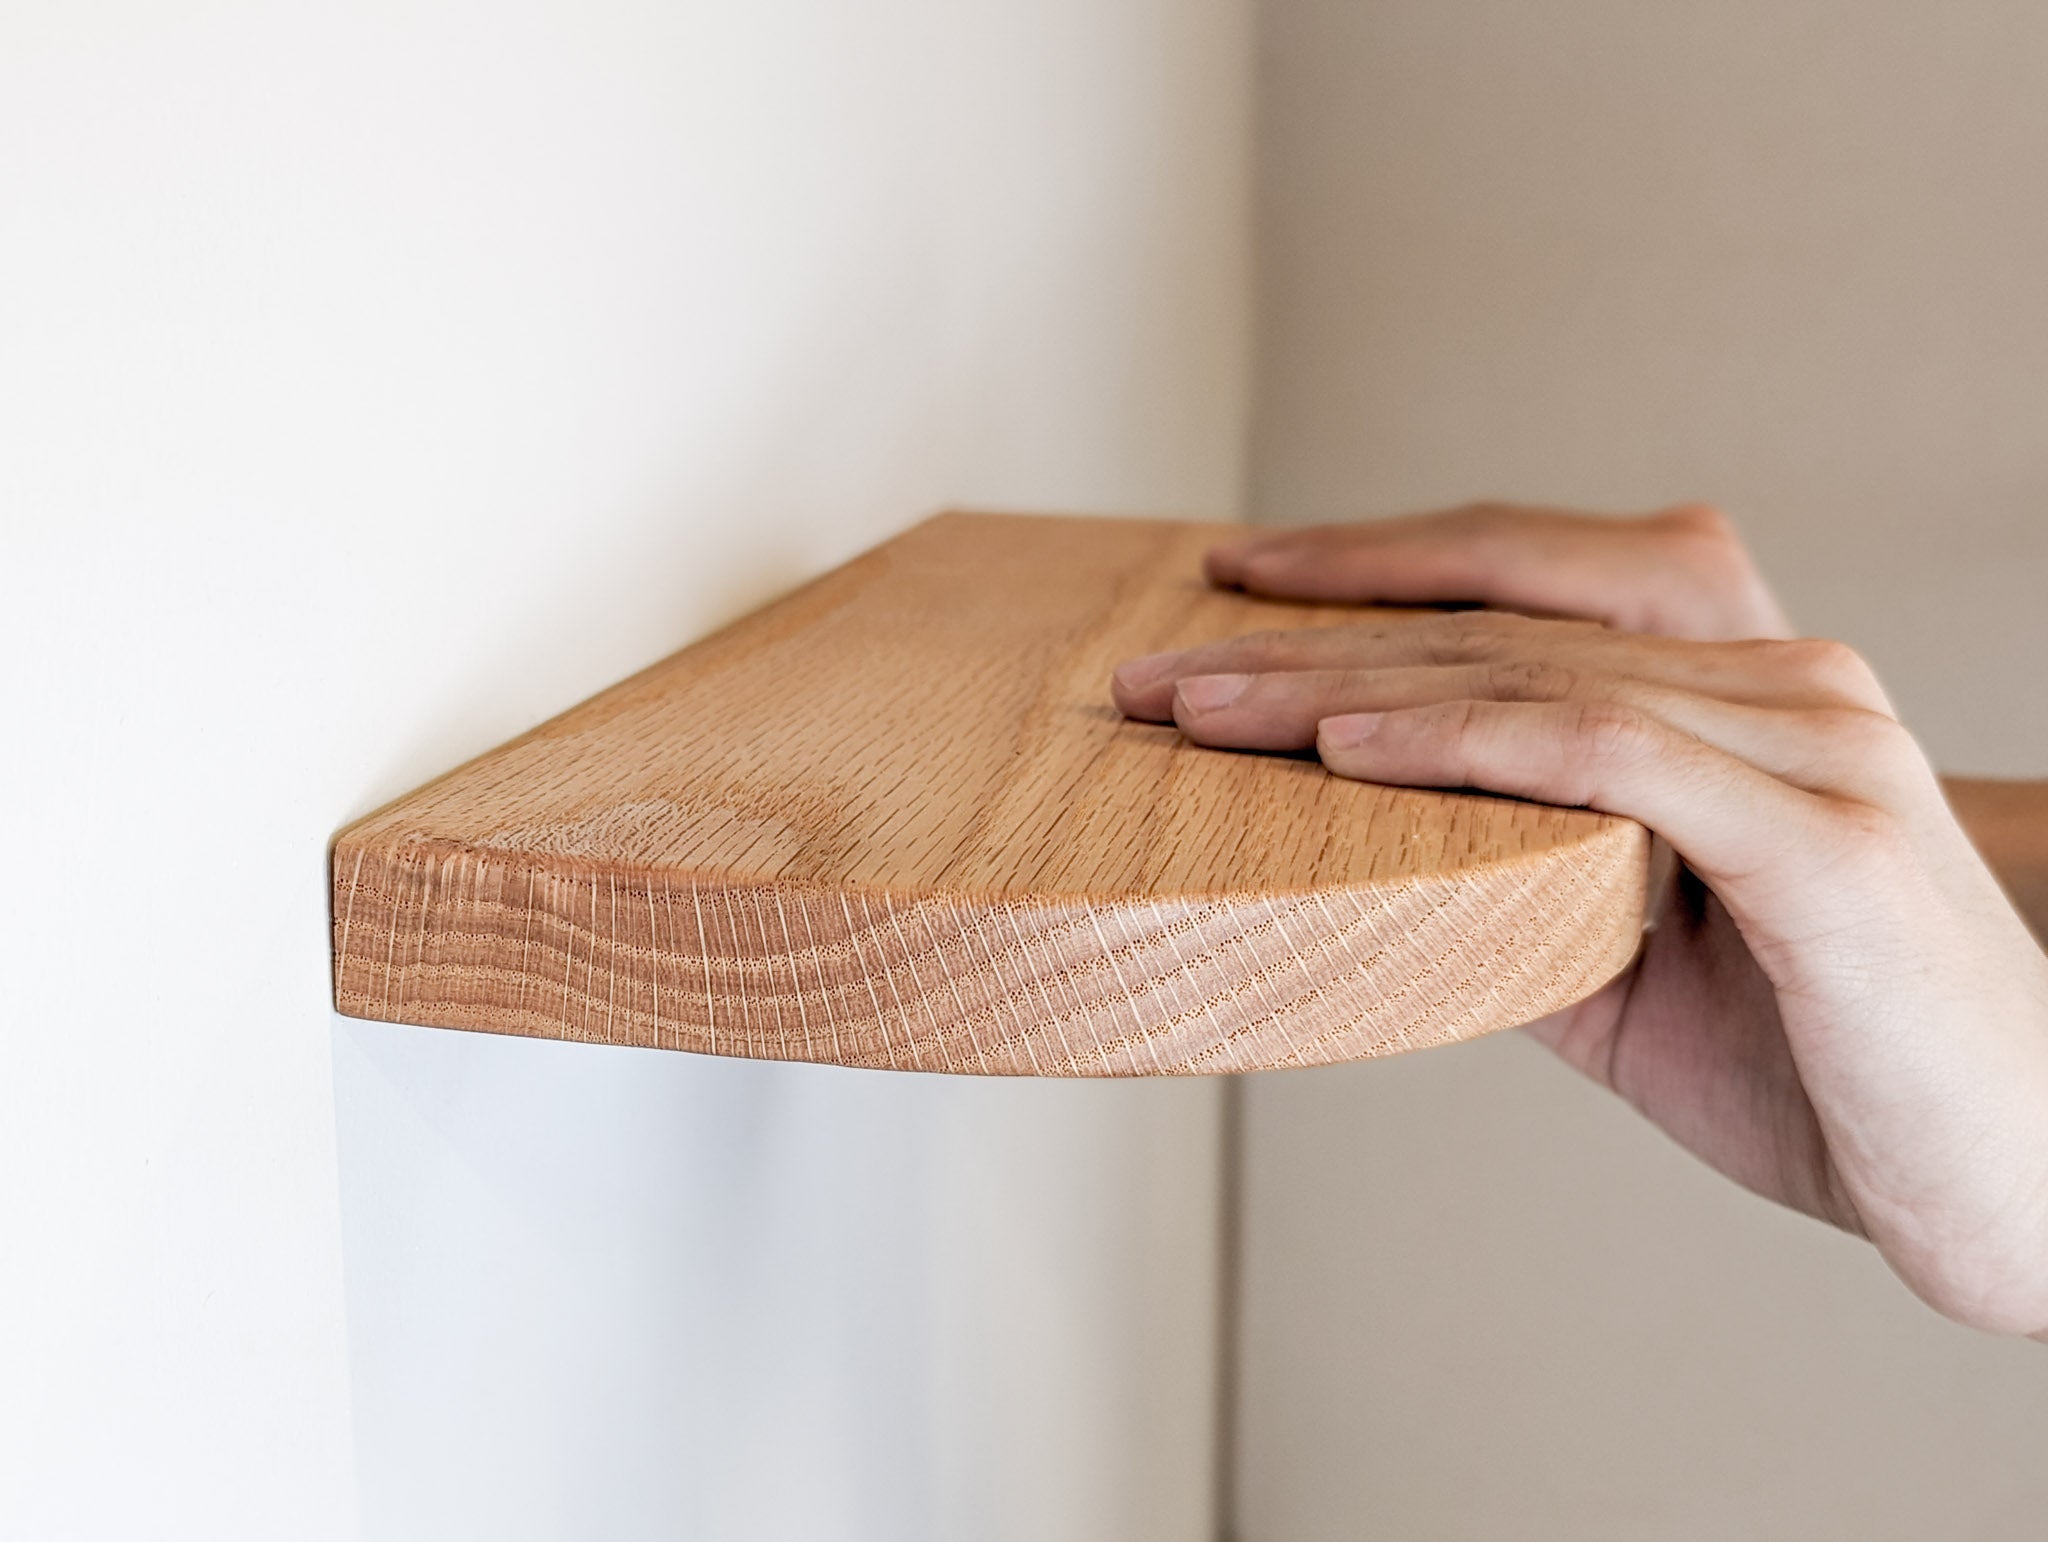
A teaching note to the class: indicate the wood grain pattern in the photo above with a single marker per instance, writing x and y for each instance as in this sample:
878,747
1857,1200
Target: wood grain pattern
892,820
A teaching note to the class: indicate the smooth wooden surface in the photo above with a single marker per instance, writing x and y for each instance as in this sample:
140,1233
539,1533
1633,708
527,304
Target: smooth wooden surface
892,820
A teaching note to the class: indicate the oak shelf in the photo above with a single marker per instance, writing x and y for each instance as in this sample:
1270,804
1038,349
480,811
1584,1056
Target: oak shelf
892,820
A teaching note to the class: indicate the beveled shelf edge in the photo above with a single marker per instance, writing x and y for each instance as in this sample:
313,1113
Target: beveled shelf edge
452,936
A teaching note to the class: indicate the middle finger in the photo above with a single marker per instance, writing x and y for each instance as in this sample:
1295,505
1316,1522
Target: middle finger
1804,673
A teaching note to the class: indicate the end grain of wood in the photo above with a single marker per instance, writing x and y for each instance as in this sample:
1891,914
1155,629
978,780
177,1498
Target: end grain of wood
893,821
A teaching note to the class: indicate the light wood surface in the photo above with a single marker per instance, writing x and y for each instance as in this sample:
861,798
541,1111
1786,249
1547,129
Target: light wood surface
892,820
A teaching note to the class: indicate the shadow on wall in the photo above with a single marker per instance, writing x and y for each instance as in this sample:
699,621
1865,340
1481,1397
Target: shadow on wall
625,1293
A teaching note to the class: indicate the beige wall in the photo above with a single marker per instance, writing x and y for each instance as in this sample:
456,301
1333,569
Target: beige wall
1794,259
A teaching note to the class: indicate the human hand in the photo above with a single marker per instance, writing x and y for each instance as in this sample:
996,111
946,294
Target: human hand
1683,572
1836,1006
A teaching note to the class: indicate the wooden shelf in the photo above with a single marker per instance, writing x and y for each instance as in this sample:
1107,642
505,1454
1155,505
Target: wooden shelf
892,820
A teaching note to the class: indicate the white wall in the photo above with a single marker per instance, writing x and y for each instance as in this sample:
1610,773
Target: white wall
1789,258
375,381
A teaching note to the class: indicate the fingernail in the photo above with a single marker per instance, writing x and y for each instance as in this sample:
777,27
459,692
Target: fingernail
1205,693
1136,674
1350,730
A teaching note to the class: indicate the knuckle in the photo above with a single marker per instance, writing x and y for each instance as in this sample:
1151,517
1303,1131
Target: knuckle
1451,720
1469,636
1830,665
1528,680
1489,511
1872,744
1867,735
1704,545
1700,521
1614,732
1705,537
1258,649
1822,655
1700,538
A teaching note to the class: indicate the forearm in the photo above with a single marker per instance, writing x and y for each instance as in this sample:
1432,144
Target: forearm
2008,822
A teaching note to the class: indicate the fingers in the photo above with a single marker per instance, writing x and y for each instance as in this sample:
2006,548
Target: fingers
1732,823
1842,751
1728,750
1419,559
1143,688
1802,673
1683,572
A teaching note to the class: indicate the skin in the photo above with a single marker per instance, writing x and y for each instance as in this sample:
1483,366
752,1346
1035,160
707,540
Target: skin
1837,1004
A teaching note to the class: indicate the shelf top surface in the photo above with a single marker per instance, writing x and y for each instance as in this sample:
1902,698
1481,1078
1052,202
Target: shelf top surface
934,717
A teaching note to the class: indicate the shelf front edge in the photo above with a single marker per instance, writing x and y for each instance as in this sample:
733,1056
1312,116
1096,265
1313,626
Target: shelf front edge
445,935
